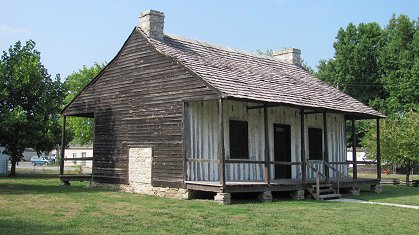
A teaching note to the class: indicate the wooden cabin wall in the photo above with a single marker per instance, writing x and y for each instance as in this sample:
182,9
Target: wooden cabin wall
138,103
202,142
84,104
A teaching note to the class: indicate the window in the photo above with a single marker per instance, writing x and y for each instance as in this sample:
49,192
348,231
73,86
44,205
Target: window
83,155
239,141
315,143
74,156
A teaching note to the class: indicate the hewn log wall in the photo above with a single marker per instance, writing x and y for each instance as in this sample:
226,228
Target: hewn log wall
138,103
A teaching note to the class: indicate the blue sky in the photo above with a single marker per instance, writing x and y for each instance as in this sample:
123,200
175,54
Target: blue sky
70,34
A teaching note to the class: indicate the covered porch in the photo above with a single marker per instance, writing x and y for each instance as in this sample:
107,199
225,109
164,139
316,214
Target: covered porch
67,178
210,164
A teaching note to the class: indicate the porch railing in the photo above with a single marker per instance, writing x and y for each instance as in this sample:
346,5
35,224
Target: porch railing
319,173
194,165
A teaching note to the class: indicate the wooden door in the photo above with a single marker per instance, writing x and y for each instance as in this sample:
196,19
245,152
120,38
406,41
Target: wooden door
282,150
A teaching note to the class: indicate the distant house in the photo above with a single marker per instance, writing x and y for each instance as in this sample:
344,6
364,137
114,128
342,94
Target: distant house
189,116
77,152
361,156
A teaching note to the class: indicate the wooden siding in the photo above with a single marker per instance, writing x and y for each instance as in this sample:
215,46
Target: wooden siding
202,128
138,102
84,104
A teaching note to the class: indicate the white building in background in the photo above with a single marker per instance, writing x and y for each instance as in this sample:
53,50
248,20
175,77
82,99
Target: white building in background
77,151
361,155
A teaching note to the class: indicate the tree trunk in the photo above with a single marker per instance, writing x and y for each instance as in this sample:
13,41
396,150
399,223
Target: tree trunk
407,178
408,170
13,169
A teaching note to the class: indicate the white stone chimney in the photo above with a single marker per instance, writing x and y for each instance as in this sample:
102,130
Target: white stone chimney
152,23
289,55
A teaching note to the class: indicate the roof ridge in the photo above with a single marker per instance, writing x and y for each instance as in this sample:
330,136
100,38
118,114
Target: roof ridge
229,49
246,75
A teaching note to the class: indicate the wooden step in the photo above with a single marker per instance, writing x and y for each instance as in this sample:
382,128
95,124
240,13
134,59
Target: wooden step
330,196
329,190
322,185
76,177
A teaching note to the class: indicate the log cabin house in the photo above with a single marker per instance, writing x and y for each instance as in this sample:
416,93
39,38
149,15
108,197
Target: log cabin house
175,116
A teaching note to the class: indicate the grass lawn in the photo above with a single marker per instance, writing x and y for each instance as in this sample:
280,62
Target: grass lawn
399,194
389,176
35,204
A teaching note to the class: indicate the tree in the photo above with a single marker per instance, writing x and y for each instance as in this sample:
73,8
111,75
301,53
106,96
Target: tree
81,128
399,65
378,66
399,141
354,68
30,103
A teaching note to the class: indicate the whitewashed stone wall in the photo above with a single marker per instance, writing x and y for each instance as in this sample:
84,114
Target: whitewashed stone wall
139,169
139,173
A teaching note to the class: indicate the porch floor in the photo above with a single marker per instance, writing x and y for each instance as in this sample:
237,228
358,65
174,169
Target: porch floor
275,185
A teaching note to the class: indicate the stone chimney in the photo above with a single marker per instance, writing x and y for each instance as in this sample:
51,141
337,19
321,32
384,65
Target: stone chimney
289,55
152,23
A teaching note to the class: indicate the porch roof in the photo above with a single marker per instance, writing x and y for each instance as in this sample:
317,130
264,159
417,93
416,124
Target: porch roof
247,76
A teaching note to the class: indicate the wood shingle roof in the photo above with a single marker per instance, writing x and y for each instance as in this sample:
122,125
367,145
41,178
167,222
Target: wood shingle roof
245,76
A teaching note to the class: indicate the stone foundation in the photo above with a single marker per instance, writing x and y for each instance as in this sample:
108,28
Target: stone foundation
178,193
223,198
297,195
377,188
355,191
139,173
265,196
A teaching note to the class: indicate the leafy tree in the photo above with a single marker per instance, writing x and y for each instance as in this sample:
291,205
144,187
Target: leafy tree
378,66
399,141
29,103
354,68
81,128
399,65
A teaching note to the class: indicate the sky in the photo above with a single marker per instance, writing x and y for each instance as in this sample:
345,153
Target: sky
70,34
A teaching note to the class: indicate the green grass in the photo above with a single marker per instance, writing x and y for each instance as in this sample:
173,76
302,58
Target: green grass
36,204
399,194
389,176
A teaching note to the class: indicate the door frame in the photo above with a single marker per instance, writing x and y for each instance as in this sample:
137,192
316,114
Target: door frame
277,167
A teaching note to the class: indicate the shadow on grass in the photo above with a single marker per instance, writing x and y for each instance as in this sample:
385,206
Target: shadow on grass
42,184
13,226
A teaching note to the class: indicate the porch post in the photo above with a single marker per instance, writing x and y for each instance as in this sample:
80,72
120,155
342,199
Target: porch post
354,164
221,152
326,149
303,157
378,151
267,150
184,139
62,152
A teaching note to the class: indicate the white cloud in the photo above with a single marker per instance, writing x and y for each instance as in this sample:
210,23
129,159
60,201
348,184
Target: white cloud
7,29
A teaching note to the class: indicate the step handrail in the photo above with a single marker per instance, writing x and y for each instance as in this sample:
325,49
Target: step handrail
338,174
318,174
